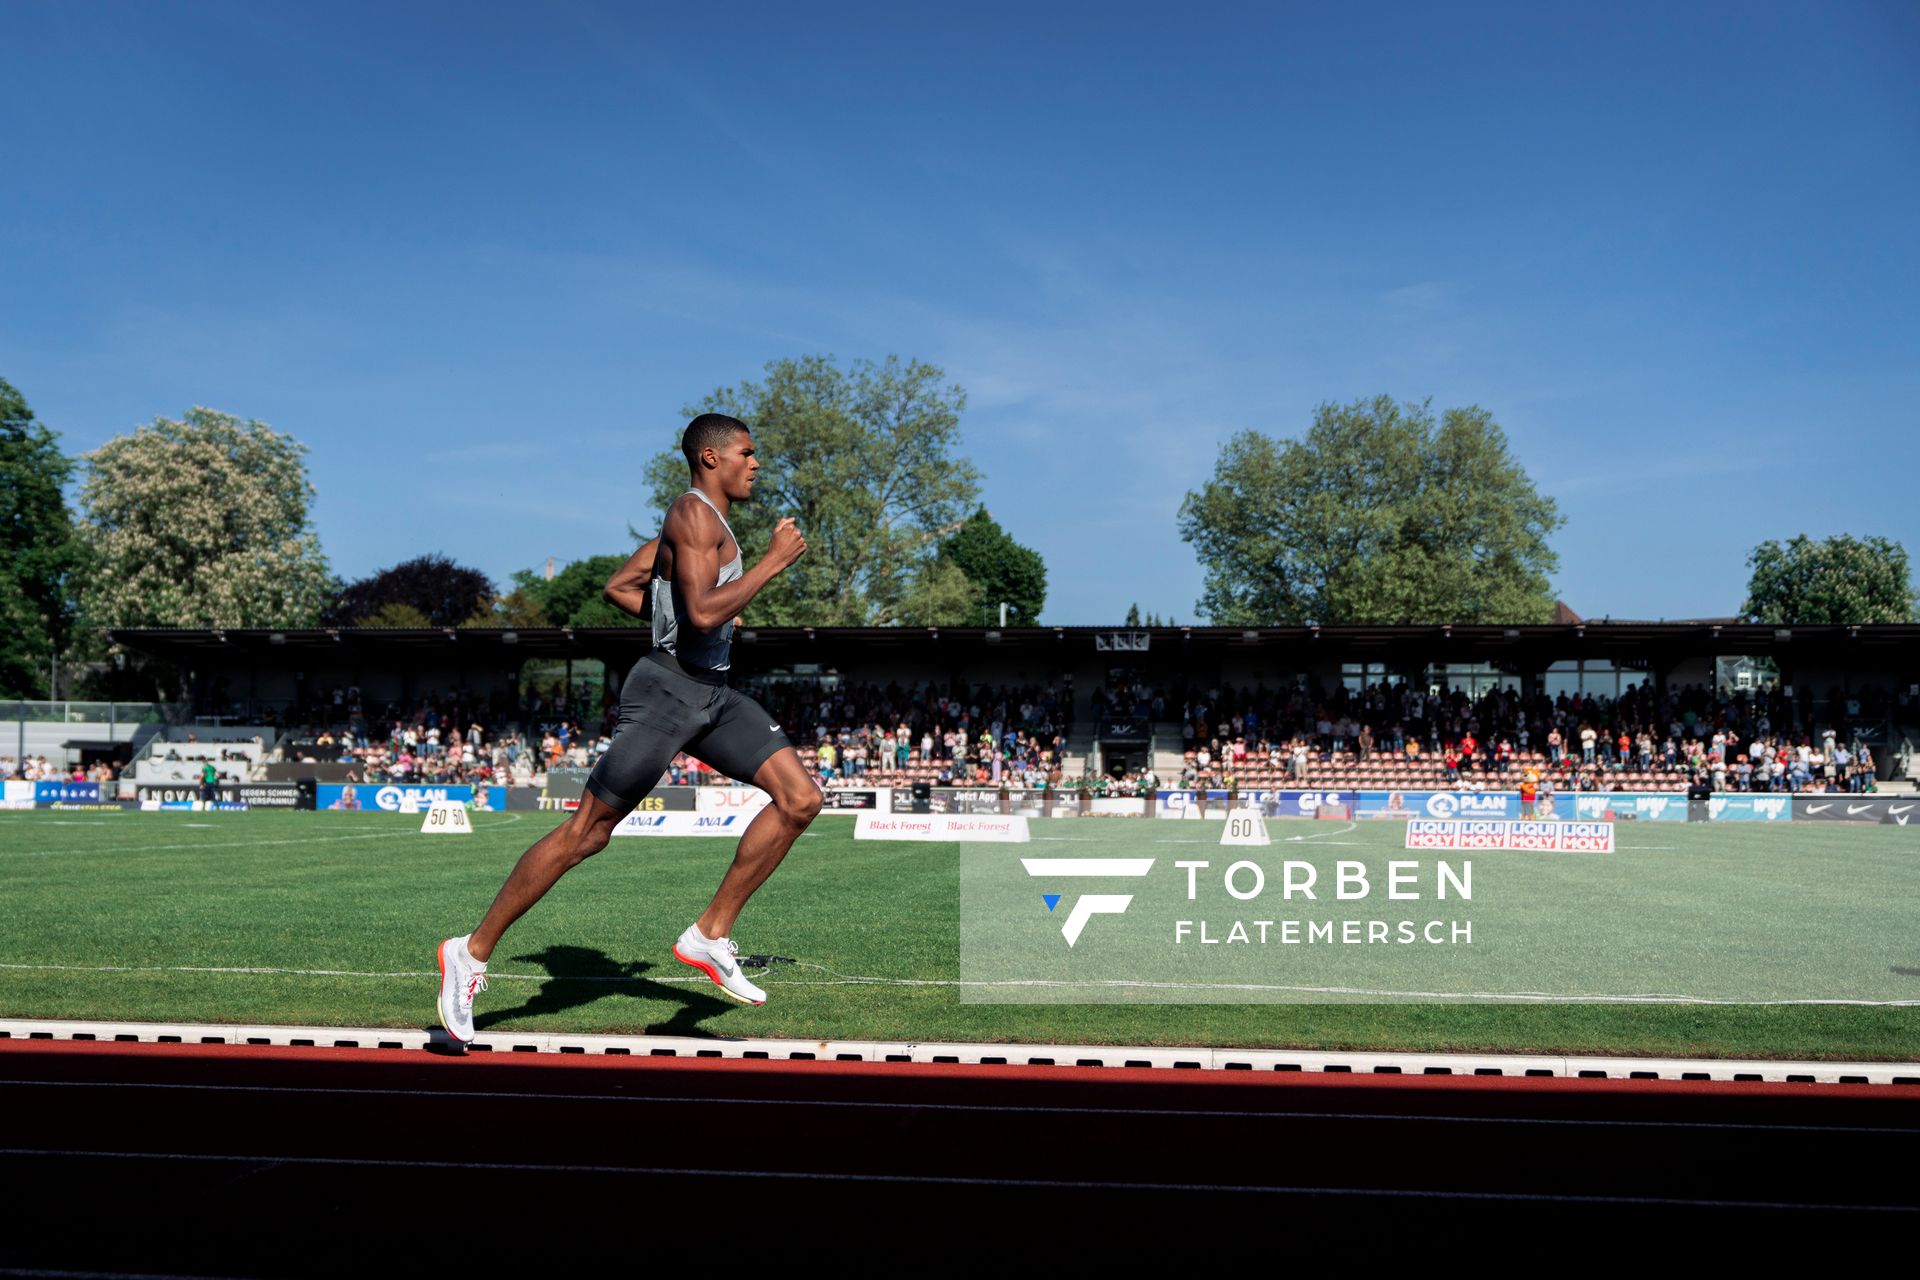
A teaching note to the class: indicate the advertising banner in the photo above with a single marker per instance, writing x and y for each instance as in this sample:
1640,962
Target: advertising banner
17,795
254,795
1749,808
643,823
66,793
563,788
941,826
395,798
837,798
1299,804
1120,806
984,800
565,798
1610,807
1437,804
1849,808
1550,837
747,800
1186,803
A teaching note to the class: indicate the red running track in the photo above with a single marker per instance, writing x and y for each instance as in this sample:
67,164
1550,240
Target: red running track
124,1158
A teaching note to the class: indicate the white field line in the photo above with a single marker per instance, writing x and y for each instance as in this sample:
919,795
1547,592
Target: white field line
400,834
1107,839
836,979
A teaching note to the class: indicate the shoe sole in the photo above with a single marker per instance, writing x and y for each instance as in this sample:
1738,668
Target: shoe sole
713,973
440,1005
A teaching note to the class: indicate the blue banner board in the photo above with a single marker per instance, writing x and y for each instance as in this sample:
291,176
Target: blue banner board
394,797
66,792
1751,808
1640,806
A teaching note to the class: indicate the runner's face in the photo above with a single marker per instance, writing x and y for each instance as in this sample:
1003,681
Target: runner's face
739,465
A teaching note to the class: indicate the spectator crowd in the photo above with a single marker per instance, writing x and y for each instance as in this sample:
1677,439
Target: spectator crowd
1308,736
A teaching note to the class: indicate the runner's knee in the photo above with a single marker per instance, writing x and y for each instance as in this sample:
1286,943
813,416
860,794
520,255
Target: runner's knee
800,806
584,840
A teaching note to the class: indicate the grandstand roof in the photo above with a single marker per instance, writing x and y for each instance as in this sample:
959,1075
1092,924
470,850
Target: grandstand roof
762,647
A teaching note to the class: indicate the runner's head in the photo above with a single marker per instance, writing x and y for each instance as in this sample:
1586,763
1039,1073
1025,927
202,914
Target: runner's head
720,449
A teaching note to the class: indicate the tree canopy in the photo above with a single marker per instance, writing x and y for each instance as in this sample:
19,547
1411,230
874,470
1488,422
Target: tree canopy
1001,568
201,522
37,574
1839,579
863,457
1381,514
426,591
573,597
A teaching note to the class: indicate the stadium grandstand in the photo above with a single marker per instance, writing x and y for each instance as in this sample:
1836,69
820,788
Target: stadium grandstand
1584,706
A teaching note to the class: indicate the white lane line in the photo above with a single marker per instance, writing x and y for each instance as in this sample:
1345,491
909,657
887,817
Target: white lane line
836,979
261,971
456,1095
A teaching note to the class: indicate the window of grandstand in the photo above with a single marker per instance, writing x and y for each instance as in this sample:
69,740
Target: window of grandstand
1471,678
1740,674
1358,675
1590,678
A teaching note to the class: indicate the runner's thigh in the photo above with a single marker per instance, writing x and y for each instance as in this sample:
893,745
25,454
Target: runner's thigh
743,738
659,713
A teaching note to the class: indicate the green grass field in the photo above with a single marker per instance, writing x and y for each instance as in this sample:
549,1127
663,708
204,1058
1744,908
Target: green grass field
332,919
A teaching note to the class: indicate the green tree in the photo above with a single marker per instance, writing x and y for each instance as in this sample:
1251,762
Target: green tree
1839,579
1380,514
517,608
863,458
201,523
394,613
43,555
573,597
1001,568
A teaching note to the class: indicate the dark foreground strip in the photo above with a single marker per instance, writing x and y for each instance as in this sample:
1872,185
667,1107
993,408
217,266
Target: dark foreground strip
1195,1113
262,1161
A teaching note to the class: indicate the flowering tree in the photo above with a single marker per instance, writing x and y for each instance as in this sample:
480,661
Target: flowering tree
1840,579
201,523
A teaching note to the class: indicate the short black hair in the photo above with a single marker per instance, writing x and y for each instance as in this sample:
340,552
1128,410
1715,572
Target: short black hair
709,431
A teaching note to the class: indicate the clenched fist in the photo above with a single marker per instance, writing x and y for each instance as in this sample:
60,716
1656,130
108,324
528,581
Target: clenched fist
787,546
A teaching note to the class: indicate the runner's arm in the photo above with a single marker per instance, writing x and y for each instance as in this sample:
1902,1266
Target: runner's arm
627,588
696,535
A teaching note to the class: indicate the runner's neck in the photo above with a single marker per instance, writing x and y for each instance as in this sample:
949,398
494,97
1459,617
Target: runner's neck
717,499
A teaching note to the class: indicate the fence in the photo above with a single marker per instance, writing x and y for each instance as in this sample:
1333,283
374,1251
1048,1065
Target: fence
88,712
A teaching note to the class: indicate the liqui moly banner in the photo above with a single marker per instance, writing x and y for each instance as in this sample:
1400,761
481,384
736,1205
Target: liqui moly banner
1494,833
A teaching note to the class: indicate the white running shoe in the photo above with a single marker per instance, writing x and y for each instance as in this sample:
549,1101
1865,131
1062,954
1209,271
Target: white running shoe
718,959
461,978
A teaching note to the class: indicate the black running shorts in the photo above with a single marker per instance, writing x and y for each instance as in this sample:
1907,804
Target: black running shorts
667,708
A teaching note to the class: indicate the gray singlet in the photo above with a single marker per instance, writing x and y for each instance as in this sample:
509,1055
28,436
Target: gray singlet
674,634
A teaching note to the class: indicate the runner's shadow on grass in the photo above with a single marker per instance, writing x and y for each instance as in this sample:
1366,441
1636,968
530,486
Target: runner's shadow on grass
580,976
1906,973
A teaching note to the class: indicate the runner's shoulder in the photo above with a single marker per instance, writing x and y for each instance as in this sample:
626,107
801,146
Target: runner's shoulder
690,515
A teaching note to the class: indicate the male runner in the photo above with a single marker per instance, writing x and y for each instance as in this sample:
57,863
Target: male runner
675,699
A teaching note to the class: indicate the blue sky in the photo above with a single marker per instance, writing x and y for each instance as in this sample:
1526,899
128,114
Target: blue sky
477,257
